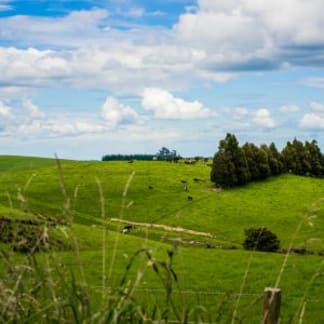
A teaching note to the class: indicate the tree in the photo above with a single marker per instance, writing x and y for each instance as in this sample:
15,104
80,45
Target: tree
229,166
165,154
223,170
257,160
261,239
315,158
276,161
233,165
296,158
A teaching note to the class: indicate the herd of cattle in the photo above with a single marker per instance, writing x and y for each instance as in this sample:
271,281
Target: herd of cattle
128,228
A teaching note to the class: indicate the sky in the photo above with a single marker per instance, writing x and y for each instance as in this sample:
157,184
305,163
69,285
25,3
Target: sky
82,79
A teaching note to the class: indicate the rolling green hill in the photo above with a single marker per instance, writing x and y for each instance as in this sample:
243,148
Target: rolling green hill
290,206
279,204
11,162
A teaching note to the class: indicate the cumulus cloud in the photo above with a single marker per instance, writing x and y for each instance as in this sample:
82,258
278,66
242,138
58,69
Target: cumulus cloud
121,67
262,117
32,109
65,31
317,108
213,42
164,105
255,35
23,68
314,119
116,113
27,120
289,109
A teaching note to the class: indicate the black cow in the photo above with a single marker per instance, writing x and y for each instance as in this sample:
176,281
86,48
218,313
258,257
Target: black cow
127,228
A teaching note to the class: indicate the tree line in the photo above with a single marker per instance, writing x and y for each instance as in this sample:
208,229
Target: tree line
164,154
128,157
235,165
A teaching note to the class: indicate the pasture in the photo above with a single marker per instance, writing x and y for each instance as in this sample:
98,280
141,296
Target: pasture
215,276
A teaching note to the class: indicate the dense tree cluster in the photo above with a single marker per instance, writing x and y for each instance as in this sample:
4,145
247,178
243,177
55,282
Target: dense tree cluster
234,165
303,158
129,157
164,154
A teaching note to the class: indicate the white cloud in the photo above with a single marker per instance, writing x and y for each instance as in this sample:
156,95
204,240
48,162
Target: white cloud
262,117
166,106
213,42
289,109
69,29
255,34
31,66
33,110
303,24
116,113
119,67
317,108
26,120
314,119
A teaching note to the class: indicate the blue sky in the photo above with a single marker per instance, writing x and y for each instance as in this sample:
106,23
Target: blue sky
87,78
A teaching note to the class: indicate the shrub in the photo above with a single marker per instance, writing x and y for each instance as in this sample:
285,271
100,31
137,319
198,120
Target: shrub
261,239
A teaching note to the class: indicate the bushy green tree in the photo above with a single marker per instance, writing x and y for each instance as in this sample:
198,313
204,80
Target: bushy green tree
229,166
276,162
261,239
297,158
315,158
257,160
223,170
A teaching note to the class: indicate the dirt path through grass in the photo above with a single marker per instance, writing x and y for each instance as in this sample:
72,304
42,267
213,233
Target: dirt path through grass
164,227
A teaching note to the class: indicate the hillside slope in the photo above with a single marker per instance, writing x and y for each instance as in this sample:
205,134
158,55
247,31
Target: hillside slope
158,195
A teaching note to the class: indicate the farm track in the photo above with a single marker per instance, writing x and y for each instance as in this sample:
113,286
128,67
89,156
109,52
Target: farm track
164,227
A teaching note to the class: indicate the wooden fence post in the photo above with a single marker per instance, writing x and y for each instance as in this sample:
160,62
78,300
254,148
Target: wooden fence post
271,306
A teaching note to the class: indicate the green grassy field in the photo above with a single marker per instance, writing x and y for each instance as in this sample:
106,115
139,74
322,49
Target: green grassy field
290,206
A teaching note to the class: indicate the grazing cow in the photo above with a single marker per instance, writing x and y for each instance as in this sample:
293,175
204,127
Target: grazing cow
183,181
131,161
196,180
150,187
127,228
190,198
